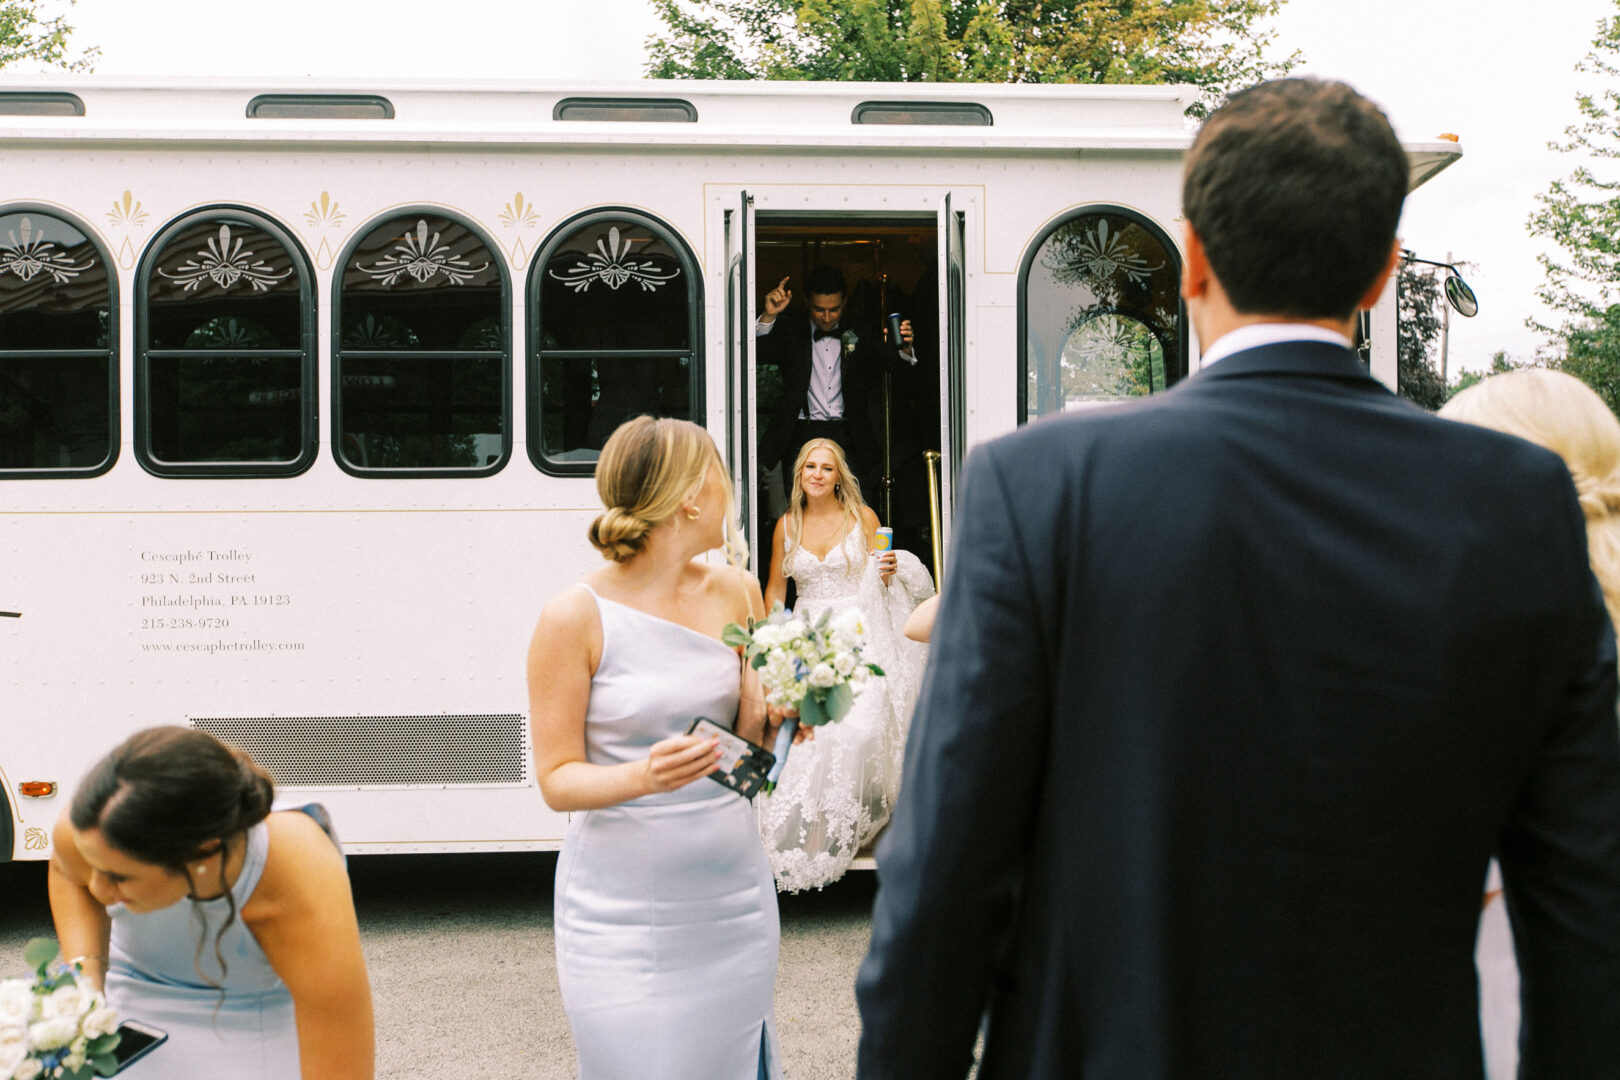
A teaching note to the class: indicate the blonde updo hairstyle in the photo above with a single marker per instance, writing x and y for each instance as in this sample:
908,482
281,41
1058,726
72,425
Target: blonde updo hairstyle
846,490
648,468
1566,416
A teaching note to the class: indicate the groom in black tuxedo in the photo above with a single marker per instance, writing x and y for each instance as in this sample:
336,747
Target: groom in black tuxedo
1236,690
831,376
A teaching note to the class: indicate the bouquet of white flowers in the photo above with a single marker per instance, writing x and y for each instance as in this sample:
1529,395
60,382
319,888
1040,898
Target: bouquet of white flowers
56,1025
814,668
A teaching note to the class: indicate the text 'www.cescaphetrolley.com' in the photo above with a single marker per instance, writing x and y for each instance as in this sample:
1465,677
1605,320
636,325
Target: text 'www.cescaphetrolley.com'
223,646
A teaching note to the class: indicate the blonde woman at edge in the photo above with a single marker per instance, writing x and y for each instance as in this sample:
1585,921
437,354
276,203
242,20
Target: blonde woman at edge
666,922
1563,414
837,792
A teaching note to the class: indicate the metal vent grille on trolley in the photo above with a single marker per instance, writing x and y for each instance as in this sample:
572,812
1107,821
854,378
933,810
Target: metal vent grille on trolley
373,750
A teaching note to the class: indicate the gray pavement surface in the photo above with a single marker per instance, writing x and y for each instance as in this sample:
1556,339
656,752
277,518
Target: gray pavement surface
460,953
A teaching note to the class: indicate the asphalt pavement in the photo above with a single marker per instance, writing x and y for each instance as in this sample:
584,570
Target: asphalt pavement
460,952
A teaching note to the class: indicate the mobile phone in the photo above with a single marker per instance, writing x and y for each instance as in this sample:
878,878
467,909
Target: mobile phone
743,765
135,1041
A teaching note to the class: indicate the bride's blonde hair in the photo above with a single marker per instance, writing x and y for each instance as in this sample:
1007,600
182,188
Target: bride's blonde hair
846,489
649,467
1566,416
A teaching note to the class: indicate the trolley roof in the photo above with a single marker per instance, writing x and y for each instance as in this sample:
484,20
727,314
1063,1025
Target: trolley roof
510,114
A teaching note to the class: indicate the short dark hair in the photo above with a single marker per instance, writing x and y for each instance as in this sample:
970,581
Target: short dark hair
825,280
1295,187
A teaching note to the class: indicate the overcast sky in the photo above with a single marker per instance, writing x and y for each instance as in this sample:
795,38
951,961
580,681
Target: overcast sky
1499,74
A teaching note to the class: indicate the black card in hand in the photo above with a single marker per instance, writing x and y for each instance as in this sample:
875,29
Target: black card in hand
742,764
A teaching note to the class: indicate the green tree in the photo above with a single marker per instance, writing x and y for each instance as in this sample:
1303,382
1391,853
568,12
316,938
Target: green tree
1580,214
1418,303
1215,45
26,34
1499,365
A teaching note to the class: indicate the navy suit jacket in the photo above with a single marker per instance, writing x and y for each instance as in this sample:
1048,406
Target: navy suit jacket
1234,693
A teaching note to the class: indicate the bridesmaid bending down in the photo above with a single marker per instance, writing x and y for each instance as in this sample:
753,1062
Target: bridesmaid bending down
206,915
666,919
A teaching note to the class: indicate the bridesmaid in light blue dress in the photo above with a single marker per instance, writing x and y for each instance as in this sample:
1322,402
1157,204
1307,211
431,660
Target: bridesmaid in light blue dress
665,911
155,975
209,916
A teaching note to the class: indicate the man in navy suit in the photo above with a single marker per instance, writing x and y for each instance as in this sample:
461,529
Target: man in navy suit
1236,691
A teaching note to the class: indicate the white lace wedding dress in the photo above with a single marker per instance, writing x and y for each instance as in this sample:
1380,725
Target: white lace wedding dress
836,791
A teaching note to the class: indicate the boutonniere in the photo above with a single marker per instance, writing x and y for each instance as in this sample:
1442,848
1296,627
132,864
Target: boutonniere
850,338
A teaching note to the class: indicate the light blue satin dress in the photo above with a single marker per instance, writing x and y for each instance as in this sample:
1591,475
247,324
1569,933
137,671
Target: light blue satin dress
666,921
157,975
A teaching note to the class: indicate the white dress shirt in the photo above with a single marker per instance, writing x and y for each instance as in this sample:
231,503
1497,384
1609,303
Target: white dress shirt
825,400
1255,335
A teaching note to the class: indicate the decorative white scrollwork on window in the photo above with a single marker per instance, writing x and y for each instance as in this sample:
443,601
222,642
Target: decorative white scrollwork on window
226,262
612,265
423,257
31,254
1103,255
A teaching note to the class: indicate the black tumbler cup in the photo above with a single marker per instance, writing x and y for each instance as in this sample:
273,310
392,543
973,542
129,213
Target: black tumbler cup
894,329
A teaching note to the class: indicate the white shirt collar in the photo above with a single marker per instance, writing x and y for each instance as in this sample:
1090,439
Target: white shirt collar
1255,335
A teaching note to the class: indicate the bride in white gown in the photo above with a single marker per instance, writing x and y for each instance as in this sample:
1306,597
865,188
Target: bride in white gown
837,790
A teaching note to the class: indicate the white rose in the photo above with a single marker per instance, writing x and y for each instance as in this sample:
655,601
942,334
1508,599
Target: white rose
103,1021
778,670
13,1048
65,1001
844,663
16,1004
53,1034
28,1070
823,676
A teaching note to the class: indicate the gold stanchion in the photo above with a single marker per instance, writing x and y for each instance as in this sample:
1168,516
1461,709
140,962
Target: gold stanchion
886,482
932,459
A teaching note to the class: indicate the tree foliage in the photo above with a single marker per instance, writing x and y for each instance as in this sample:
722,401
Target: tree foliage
26,34
1418,303
1216,45
1580,214
1500,364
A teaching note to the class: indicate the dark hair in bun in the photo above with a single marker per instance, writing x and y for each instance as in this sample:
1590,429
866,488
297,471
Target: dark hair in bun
168,795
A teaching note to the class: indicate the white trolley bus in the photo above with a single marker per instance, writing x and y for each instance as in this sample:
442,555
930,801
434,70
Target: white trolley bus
301,386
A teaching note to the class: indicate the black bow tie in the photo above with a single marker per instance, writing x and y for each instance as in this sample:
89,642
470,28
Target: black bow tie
818,333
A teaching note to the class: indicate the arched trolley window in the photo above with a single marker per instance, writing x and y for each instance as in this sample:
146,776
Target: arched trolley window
225,349
1100,314
615,317
421,371
58,348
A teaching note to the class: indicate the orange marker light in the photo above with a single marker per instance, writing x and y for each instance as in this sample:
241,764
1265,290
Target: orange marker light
37,789
1449,137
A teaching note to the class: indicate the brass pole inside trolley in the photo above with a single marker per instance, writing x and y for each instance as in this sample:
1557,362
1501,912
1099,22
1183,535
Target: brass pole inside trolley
886,481
932,461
